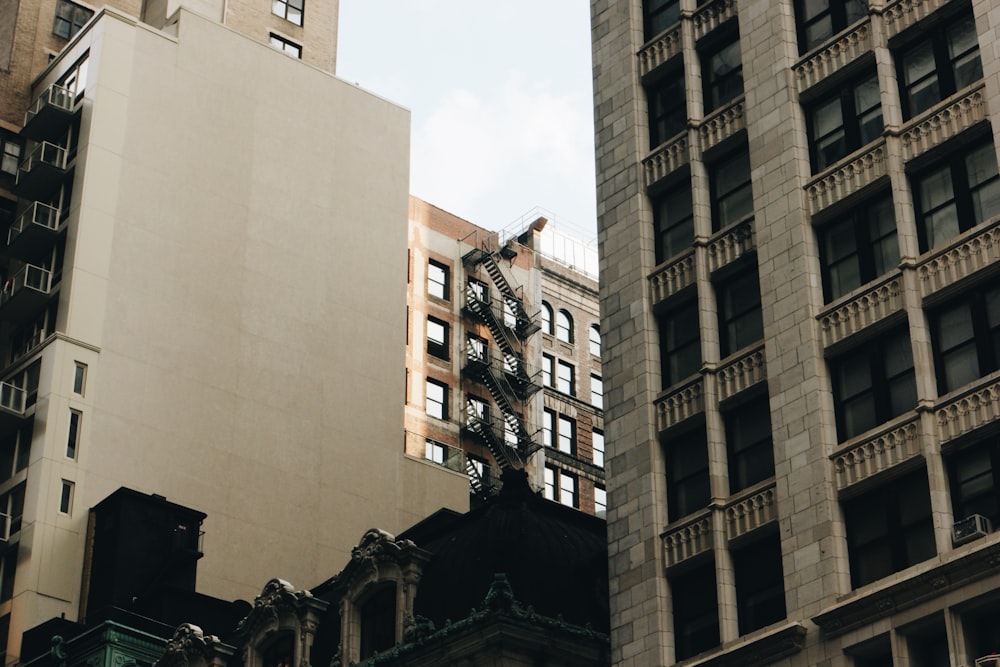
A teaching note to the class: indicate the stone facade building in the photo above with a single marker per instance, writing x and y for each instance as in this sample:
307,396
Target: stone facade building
798,206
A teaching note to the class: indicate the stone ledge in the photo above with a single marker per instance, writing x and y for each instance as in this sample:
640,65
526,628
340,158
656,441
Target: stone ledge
758,651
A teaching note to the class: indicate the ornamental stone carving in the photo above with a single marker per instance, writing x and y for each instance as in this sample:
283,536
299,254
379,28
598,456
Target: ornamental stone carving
844,51
672,156
663,49
874,455
742,374
747,514
730,245
944,123
967,413
190,647
688,540
722,124
711,16
680,405
899,16
964,258
673,277
864,310
846,179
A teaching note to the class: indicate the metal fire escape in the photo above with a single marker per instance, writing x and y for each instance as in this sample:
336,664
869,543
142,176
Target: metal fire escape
506,376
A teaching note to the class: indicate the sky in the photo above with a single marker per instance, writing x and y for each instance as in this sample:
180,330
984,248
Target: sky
500,97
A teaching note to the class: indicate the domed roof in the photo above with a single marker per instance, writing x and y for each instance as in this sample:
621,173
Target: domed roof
555,558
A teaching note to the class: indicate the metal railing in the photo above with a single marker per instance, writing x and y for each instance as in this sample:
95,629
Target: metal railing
12,397
53,96
46,153
39,214
36,278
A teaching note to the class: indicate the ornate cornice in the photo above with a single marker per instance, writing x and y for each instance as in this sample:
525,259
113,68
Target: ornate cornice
764,650
190,646
277,597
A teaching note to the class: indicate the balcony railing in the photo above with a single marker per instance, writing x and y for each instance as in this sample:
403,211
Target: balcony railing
50,113
33,230
25,290
439,453
41,170
13,403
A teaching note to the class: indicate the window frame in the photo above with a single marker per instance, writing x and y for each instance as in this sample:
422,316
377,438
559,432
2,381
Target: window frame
870,246
596,391
721,219
70,15
980,499
760,583
566,434
565,377
440,349
658,16
546,314
750,460
985,340
280,8
595,340
442,413
666,108
741,318
286,46
674,348
569,489
673,225
840,18
597,445
688,481
74,433
854,131
548,370
696,625
438,288
548,427
718,85
9,142
564,326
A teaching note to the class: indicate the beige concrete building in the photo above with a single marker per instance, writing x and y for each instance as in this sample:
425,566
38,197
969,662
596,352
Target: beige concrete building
487,391
798,207
204,298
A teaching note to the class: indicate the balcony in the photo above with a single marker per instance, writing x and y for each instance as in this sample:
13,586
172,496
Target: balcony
13,403
50,114
33,231
25,292
41,171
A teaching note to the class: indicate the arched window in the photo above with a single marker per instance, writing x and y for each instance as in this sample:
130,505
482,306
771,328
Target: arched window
564,326
546,318
378,621
595,340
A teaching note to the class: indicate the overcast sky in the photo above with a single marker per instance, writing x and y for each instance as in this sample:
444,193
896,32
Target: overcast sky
500,97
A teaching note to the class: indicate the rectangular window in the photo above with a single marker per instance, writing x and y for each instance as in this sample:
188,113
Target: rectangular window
965,335
740,320
565,379
10,153
946,61
567,490
70,17
438,284
437,338
873,383
73,440
79,378
858,247
290,10
8,566
760,589
673,222
596,392
818,20
566,434
667,108
597,442
749,444
974,474
956,195
12,504
437,399
547,363
927,642
844,121
889,529
680,344
66,497
687,475
475,290
696,622
286,46
15,451
434,451
732,193
476,348
550,483
722,73
600,502
548,426
658,15
477,409
595,340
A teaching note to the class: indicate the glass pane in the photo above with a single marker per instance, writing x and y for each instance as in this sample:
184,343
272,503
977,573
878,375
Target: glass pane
855,10
817,32
961,366
736,206
955,327
855,377
961,37
918,63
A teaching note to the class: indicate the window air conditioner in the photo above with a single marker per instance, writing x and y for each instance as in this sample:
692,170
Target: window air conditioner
970,528
988,660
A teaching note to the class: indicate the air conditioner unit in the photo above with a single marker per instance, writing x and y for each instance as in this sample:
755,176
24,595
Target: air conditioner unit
970,528
988,660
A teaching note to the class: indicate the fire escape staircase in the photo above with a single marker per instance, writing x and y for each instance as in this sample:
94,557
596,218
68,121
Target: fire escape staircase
525,325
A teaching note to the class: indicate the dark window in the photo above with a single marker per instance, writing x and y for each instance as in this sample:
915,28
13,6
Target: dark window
565,378
378,621
946,61
667,109
73,439
873,383
10,153
437,338
927,643
980,626
722,72
280,652
956,195
844,121
889,529
966,338
740,321
818,20
288,9
875,653
658,15
12,504
70,17
15,451
732,194
760,589
687,475
438,283
748,438
680,344
858,247
975,479
696,611
673,222
437,399
4,632
546,318
8,566
286,46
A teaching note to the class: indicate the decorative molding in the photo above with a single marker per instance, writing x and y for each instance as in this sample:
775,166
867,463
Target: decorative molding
760,650
711,16
968,412
862,311
279,598
688,540
730,245
742,374
842,52
663,49
190,647
963,258
670,157
722,124
679,405
673,277
898,16
862,460
751,512
846,179
942,124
